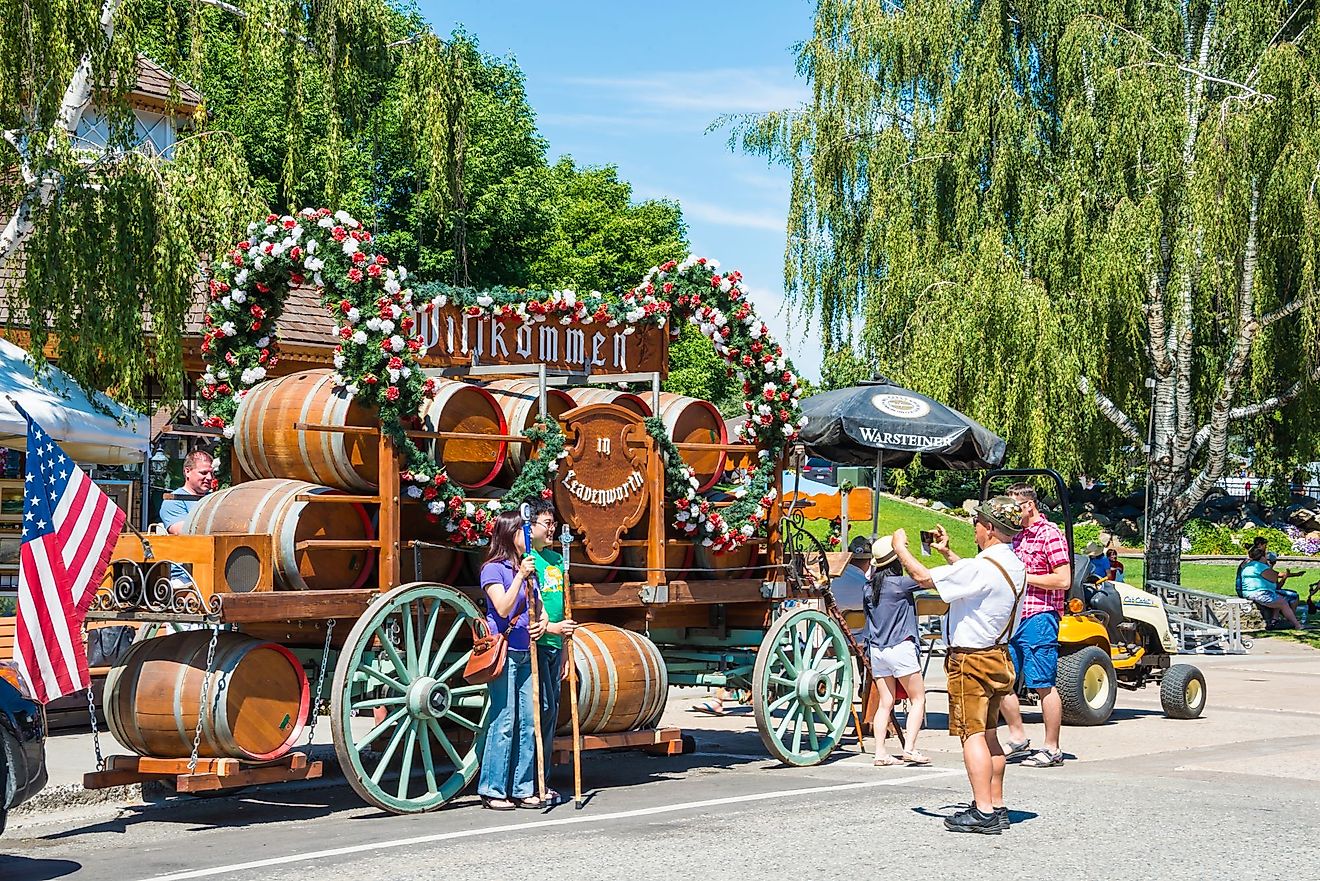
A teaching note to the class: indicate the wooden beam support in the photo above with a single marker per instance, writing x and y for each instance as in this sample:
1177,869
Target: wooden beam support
287,605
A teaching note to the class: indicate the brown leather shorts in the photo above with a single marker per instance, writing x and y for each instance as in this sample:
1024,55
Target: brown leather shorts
979,680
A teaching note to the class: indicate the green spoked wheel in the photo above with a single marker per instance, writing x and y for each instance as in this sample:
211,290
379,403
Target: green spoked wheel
407,727
802,687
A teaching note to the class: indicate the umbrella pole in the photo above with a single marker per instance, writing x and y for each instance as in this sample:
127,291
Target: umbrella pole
875,498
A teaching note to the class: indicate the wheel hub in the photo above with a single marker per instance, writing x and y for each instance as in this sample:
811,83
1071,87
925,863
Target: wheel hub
812,687
428,697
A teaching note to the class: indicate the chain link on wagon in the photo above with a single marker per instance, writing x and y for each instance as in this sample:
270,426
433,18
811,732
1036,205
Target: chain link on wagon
91,714
206,687
320,681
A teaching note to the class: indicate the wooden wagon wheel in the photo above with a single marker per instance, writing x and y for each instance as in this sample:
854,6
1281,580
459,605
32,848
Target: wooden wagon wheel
400,704
802,687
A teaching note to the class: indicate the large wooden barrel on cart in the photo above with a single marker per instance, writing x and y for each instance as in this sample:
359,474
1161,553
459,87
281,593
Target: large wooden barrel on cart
470,409
520,400
694,421
256,700
267,444
622,681
737,563
272,506
596,395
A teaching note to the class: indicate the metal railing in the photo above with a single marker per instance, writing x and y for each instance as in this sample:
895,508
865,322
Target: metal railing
1202,622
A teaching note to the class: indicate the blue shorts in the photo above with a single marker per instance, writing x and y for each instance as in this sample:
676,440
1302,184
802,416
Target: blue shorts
1035,650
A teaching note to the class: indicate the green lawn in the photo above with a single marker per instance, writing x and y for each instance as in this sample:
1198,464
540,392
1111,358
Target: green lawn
895,513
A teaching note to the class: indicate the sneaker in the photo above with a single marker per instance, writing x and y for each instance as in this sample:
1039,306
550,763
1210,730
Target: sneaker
972,820
1001,814
1017,750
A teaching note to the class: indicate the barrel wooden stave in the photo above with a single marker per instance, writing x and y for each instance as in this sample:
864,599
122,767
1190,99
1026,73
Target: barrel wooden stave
597,395
622,681
692,420
257,698
270,506
267,444
520,401
463,407
738,563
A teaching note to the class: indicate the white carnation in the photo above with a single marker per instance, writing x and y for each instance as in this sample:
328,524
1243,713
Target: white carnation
263,342
373,324
350,245
352,389
396,343
360,337
228,329
239,297
387,326
339,362
414,492
354,315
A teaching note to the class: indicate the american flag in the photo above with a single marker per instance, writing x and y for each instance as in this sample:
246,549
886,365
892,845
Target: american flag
69,532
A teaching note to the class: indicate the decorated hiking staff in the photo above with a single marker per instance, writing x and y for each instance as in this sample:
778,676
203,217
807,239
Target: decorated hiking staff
565,540
532,608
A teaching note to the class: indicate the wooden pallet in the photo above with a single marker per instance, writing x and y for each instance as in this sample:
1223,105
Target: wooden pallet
656,741
208,776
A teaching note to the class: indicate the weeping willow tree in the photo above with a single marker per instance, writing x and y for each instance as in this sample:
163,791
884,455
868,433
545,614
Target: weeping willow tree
1092,225
104,239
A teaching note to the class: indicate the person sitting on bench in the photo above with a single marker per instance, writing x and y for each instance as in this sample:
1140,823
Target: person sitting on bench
1260,585
1292,596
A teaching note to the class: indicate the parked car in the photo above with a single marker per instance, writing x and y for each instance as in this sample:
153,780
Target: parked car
22,744
819,470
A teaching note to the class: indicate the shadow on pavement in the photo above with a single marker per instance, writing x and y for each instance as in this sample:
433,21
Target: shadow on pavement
25,869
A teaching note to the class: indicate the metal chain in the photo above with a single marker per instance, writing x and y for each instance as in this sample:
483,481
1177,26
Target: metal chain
206,687
91,714
320,681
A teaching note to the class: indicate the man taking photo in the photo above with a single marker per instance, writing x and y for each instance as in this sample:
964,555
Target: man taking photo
982,593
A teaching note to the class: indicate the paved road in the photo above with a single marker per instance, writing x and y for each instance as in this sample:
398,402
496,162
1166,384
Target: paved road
1235,795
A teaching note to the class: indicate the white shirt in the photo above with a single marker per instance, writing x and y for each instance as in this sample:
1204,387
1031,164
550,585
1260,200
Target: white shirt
981,602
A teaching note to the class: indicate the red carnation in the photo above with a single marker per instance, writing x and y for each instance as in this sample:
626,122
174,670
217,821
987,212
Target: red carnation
355,275
271,218
238,260
385,345
338,234
382,260
243,246
714,281
359,257
345,332
783,415
345,305
392,393
396,363
290,223
429,493
257,311
373,270
701,261
256,325
441,479
295,252
370,379
296,278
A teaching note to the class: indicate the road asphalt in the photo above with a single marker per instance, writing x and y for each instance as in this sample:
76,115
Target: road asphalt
1233,795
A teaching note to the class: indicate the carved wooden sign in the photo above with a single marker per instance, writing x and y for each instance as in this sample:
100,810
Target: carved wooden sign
601,488
454,338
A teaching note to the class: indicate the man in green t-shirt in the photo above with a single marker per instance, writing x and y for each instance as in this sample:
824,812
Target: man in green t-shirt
550,647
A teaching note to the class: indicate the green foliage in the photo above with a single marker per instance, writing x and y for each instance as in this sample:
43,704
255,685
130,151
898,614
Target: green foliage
843,368
1085,533
1214,538
1011,198
695,370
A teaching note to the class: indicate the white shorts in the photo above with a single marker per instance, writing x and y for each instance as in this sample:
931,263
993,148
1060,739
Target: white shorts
898,660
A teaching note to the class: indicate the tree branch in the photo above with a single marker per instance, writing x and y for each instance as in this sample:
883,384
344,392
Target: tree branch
1261,407
1111,411
241,13
1282,312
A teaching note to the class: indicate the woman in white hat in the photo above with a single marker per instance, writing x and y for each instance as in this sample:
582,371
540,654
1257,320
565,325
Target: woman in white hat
890,638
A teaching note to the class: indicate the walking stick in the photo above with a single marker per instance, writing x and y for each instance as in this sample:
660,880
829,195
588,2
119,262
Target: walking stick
566,539
526,512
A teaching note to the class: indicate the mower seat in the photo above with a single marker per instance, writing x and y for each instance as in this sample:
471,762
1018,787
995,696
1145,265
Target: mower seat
1104,598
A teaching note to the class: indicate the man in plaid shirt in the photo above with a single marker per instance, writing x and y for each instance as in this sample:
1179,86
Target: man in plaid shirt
1035,644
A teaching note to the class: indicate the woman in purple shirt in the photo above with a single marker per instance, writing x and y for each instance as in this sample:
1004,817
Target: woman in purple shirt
508,759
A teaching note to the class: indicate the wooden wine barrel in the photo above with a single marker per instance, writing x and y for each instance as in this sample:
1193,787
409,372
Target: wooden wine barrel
520,400
256,701
267,444
691,420
678,560
596,395
443,563
272,506
459,406
733,564
622,681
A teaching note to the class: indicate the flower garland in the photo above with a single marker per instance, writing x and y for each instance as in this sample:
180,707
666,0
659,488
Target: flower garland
718,305
376,360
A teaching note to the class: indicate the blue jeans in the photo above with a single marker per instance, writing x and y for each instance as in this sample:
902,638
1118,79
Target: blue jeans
508,759
552,668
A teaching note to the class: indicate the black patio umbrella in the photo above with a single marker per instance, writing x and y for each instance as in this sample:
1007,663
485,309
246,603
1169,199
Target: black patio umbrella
879,423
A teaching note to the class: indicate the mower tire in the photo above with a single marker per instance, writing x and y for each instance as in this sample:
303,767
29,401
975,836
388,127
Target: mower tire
1182,692
1087,687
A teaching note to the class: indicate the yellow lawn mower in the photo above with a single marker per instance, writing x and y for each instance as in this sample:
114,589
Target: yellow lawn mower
1112,635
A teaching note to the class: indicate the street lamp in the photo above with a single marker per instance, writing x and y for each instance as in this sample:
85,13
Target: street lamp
159,462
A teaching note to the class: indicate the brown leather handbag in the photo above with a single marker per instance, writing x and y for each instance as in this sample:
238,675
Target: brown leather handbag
489,651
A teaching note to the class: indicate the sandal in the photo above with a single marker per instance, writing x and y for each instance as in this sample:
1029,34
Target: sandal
1043,758
710,708
531,803
1017,750
886,761
497,804
916,758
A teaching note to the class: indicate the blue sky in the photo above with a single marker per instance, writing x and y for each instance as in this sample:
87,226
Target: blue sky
636,85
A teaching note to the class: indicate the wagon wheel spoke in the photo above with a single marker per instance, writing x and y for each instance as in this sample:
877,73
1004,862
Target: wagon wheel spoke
388,680
405,769
371,703
783,681
401,670
381,728
428,761
410,639
390,750
443,740
459,720
455,667
811,728
783,659
781,702
438,658
428,635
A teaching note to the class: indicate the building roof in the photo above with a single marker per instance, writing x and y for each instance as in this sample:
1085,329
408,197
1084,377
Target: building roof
154,83
304,320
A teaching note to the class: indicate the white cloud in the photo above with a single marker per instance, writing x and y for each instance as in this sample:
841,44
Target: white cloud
708,212
722,90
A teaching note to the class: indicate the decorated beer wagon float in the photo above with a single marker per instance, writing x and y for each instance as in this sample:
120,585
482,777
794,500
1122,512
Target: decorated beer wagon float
339,566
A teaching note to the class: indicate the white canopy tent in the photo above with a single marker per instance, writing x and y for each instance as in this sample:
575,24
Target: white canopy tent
110,435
